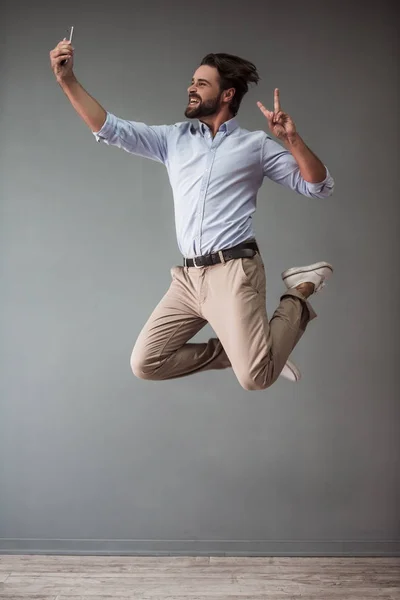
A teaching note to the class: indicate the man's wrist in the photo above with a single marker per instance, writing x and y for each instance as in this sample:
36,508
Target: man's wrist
292,140
66,82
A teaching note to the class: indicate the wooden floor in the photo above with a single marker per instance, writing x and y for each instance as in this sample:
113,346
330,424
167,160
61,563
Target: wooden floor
197,578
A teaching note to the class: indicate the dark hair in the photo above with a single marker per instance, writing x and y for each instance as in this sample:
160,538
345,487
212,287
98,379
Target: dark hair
234,72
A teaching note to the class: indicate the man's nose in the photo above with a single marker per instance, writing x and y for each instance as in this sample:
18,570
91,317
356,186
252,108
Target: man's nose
192,89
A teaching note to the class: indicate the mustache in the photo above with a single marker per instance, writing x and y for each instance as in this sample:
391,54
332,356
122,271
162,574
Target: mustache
194,97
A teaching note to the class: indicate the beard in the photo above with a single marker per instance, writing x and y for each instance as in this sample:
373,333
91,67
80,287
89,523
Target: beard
203,109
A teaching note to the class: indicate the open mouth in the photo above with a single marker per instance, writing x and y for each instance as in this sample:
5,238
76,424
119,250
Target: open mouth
194,102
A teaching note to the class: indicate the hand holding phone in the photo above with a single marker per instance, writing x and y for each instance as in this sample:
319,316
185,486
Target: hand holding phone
63,62
62,58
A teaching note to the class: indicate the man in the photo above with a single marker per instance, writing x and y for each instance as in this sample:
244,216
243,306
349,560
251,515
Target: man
215,169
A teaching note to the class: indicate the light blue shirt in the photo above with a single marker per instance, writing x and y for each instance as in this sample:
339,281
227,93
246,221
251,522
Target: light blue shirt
214,180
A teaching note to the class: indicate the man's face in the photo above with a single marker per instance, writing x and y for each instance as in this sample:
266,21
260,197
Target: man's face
204,93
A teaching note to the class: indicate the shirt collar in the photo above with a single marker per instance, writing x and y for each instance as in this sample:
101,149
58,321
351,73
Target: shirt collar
227,127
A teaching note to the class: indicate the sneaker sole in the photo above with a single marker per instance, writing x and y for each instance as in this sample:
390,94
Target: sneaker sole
308,269
290,372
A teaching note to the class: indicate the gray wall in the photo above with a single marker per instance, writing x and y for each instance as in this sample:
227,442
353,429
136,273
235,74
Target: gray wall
94,460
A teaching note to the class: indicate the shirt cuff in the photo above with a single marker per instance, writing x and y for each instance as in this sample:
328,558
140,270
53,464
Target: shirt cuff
320,185
106,130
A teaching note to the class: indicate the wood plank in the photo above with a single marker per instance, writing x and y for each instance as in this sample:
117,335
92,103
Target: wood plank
223,596
11,596
45,563
88,564
203,586
198,578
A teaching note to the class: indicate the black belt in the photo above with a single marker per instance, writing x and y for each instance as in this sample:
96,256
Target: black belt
247,249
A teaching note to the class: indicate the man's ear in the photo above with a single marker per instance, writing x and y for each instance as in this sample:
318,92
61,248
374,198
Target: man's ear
229,94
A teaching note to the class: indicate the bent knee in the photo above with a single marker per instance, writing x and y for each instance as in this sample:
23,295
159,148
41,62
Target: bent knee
140,367
250,384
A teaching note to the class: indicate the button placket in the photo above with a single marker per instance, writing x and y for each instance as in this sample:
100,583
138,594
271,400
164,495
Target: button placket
203,194
215,143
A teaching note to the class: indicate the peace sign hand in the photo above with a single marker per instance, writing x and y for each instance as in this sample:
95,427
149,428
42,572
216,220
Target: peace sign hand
280,123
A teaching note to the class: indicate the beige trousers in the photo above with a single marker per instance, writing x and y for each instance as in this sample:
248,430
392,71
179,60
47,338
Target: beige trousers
231,297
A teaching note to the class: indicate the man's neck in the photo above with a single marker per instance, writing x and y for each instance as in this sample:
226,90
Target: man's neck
215,122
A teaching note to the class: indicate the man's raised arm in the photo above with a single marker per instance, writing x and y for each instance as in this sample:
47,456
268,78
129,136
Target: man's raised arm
87,107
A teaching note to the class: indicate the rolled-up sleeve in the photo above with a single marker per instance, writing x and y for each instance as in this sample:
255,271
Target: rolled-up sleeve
280,165
149,141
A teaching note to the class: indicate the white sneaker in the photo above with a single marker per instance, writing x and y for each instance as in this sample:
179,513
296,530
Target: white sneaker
317,274
291,372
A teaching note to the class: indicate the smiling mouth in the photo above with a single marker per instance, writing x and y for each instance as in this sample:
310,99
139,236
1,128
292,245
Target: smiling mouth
193,101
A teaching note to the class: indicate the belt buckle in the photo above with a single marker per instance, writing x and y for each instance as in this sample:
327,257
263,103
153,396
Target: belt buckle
197,266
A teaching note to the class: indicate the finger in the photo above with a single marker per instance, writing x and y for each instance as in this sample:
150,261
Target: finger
59,51
64,44
277,105
267,113
60,58
279,116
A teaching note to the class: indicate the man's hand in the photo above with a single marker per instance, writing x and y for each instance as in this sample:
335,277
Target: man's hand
280,123
63,51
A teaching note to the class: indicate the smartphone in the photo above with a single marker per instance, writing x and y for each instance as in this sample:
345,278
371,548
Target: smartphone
63,62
